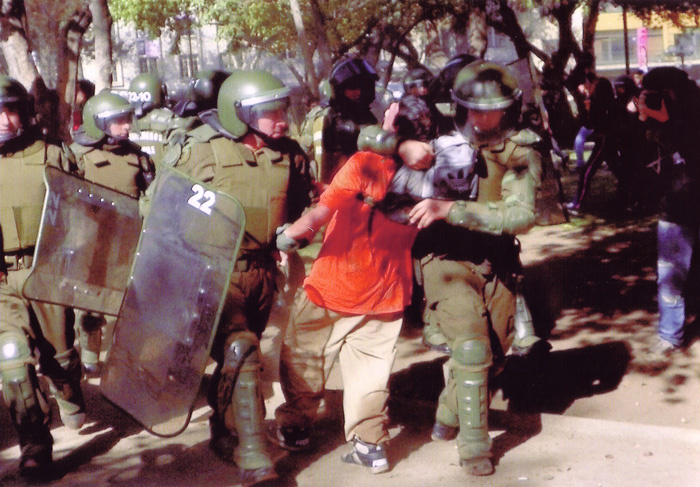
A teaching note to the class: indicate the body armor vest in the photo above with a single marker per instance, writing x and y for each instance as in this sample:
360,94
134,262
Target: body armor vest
118,172
511,154
259,181
22,191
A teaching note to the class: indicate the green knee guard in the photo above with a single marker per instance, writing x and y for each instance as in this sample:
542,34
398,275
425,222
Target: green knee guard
447,409
244,412
471,361
29,410
525,337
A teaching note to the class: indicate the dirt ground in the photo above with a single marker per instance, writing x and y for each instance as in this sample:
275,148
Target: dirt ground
590,284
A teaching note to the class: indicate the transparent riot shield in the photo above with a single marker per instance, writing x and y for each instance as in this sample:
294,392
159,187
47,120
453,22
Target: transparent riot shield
171,308
86,245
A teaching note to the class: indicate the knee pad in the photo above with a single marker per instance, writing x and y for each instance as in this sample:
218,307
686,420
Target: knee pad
242,347
474,351
21,392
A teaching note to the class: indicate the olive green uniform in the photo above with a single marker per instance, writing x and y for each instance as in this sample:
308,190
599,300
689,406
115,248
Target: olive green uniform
469,265
123,167
154,128
272,184
28,325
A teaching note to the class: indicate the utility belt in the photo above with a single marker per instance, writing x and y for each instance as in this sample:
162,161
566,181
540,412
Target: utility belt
20,259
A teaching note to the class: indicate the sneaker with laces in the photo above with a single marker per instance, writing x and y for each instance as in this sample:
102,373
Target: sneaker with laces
367,455
663,348
291,438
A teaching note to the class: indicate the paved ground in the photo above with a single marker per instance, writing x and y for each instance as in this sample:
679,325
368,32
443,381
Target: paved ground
597,412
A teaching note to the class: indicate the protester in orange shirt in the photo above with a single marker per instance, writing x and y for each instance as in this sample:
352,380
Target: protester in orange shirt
352,304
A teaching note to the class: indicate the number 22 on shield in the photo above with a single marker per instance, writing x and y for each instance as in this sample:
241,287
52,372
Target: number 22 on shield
201,199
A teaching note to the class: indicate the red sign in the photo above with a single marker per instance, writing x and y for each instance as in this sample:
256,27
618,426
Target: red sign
642,51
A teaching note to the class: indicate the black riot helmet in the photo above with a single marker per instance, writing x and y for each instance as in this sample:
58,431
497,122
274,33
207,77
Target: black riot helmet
440,87
353,74
417,81
15,97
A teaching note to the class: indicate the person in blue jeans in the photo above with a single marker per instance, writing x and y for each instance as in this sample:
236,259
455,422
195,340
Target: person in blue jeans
580,145
668,105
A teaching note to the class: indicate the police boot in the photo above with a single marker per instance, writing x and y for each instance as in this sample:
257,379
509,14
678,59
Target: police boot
64,377
471,361
446,425
245,412
28,408
90,340
525,341
434,339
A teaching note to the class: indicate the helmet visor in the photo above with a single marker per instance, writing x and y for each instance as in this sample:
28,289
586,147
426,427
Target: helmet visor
246,106
270,118
113,121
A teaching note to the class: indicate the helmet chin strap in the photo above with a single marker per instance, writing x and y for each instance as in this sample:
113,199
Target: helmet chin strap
11,136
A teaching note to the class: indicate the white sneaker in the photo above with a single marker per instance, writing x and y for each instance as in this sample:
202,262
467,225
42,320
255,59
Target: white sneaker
663,348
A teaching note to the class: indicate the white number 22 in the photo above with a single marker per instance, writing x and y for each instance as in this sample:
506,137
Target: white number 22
202,200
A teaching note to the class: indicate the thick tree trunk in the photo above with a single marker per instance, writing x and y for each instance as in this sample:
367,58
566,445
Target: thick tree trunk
67,61
322,44
311,79
477,34
15,48
102,28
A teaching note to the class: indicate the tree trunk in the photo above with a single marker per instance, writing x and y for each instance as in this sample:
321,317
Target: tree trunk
322,44
477,34
311,79
15,49
67,61
589,24
102,28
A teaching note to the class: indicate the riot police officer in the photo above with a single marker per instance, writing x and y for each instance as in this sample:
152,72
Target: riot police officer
353,90
201,93
470,261
243,150
103,154
417,81
26,326
148,94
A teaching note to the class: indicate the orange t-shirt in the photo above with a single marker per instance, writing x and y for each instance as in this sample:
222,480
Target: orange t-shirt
364,266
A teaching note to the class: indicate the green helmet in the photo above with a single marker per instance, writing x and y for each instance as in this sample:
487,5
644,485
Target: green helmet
102,109
243,94
486,86
15,96
146,91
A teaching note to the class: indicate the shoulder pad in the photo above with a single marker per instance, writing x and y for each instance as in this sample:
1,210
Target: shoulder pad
525,137
79,150
157,120
171,154
203,133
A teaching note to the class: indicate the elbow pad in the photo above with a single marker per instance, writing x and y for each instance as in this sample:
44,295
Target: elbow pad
376,139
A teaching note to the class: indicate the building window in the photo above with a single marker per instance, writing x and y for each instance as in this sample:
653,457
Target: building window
148,54
189,65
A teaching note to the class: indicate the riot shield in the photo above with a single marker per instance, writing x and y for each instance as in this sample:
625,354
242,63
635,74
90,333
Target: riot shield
86,244
171,308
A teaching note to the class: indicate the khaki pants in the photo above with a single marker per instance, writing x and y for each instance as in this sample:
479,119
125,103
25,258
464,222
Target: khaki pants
36,320
469,306
462,301
365,346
